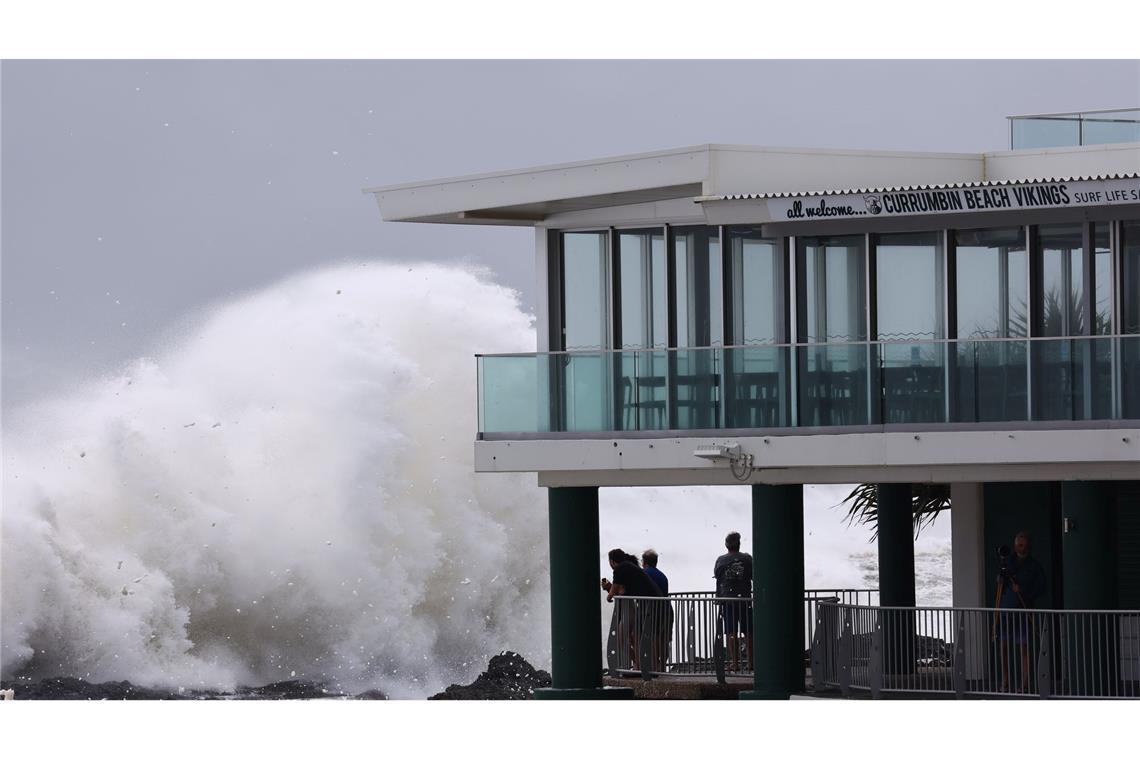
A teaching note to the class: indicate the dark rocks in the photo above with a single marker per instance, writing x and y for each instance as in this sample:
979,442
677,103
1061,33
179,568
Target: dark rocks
508,676
371,694
286,690
77,688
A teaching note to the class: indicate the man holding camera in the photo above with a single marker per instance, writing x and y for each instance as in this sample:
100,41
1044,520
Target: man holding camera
1021,583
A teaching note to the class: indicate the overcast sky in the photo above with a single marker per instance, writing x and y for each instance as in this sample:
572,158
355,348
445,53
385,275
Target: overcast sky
135,193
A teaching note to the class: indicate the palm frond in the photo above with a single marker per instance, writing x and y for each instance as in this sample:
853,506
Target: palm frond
928,500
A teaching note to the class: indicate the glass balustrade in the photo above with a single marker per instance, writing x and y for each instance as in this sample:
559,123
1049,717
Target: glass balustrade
982,380
1064,129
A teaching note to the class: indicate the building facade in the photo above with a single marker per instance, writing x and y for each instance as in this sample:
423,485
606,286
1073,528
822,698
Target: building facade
725,315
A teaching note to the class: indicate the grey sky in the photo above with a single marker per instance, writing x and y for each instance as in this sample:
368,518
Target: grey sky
140,192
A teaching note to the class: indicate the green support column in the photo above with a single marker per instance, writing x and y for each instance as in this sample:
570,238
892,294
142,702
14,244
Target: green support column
896,575
575,614
1088,561
896,545
778,590
1088,545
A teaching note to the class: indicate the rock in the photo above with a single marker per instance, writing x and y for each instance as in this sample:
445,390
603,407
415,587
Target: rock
371,694
508,676
77,688
286,690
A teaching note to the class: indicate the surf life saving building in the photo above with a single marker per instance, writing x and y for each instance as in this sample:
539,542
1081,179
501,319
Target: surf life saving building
728,314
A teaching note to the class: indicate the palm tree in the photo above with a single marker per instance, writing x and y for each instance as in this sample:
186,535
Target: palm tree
928,500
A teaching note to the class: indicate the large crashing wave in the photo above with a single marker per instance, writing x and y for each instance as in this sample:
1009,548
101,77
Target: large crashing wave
286,493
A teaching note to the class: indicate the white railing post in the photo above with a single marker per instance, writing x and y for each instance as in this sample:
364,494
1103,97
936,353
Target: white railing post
845,654
1044,659
820,638
960,654
875,666
691,642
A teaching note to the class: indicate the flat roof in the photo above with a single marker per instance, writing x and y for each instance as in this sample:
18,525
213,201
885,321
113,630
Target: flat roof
528,196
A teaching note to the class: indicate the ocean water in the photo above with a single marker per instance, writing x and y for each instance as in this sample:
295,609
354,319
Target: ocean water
284,490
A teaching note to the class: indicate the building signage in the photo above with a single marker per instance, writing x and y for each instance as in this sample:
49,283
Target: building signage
1047,195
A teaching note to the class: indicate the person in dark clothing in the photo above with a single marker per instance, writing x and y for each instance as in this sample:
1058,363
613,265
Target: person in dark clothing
631,580
1022,588
663,615
733,573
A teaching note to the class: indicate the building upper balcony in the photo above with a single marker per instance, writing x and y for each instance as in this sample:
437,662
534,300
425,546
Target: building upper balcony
1057,130
810,388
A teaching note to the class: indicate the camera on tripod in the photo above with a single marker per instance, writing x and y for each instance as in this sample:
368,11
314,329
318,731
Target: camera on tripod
1003,553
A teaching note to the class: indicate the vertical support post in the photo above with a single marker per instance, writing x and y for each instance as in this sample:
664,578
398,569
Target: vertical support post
896,572
1044,655
820,640
575,614
845,645
875,665
777,591
960,653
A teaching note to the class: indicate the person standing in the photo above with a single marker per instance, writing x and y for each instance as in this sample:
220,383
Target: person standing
733,573
649,562
663,612
1022,585
631,580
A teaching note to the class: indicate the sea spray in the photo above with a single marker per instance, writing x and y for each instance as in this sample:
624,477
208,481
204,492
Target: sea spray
286,491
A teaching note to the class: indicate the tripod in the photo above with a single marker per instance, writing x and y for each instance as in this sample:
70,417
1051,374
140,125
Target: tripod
1018,631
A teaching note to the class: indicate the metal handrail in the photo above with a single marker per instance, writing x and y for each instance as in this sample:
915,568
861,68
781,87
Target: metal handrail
816,344
977,651
684,633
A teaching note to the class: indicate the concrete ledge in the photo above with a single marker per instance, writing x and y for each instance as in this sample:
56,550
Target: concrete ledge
606,692
666,687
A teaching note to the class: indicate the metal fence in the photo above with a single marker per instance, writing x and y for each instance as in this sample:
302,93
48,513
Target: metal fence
976,651
698,633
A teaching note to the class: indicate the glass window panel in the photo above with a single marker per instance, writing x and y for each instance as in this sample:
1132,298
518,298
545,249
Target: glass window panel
632,262
583,288
1062,280
834,282
909,286
697,265
1102,319
658,294
757,267
644,315
1130,281
992,282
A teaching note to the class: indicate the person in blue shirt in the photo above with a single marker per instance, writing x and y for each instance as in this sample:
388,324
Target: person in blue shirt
663,614
649,562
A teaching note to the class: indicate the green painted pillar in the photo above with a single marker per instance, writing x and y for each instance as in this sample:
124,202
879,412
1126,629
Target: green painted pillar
778,590
1088,544
896,575
896,545
1088,563
575,613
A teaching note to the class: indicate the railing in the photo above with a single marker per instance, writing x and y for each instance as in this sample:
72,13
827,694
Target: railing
685,633
811,385
1063,129
977,652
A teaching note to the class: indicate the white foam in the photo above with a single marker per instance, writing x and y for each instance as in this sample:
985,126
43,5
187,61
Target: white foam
287,490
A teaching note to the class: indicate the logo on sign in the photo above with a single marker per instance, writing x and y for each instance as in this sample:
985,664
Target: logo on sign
873,204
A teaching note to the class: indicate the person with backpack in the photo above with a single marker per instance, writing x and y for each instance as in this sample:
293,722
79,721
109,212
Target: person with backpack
733,573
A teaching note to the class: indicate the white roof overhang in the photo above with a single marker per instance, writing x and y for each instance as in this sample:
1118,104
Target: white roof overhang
735,184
